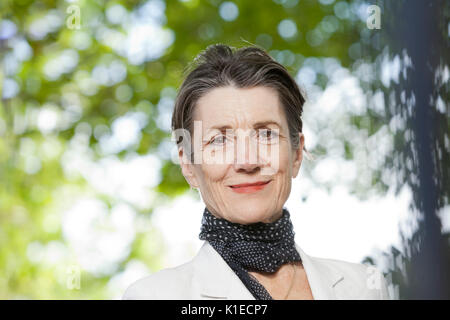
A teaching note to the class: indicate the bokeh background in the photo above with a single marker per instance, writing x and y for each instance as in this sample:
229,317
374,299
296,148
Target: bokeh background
92,197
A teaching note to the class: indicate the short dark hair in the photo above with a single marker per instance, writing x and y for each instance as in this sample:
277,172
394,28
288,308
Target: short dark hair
220,65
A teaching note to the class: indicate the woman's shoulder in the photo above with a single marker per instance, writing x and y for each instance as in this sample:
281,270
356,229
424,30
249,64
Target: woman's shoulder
359,281
352,269
168,283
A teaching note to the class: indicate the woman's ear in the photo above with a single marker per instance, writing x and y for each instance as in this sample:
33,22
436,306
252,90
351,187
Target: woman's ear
298,156
187,168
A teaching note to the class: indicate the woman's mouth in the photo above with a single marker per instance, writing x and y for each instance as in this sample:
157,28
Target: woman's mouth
249,187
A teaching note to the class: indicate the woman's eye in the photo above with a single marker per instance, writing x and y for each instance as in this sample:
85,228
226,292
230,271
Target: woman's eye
218,140
268,134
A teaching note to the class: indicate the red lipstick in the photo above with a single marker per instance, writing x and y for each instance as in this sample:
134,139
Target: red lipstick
249,187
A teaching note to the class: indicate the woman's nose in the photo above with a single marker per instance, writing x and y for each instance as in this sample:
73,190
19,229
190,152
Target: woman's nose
246,154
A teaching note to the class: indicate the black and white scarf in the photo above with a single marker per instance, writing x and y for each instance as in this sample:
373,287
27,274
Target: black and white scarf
256,247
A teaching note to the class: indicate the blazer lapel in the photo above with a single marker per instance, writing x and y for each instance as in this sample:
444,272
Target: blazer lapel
215,277
321,277
217,280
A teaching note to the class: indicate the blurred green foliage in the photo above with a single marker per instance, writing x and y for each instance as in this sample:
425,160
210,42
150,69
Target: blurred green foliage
31,189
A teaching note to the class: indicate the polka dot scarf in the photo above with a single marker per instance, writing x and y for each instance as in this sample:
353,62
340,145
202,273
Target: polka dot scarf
256,247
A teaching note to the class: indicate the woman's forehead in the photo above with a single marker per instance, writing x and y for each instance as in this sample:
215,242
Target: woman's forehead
233,120
231,108
225,96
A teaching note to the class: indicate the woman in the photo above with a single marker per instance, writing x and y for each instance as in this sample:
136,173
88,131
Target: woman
240,112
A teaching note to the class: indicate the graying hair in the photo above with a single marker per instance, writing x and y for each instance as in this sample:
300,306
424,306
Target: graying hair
220,65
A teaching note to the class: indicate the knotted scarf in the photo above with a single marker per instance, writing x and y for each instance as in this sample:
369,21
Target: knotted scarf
251,247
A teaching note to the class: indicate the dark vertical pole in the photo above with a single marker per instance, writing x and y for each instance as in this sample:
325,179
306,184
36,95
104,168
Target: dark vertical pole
421,33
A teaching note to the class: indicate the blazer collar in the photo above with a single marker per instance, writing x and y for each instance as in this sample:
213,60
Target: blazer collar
322,277
217,280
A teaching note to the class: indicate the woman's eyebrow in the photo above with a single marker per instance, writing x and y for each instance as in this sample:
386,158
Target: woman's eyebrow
221,127
261,124
256,125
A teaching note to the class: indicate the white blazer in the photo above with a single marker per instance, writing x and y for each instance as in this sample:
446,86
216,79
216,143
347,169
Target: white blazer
208,276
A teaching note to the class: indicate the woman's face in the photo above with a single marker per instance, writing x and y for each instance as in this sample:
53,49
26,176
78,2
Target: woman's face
251,148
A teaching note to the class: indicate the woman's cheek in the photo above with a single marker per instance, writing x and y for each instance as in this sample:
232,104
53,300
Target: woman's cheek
282,160
214,172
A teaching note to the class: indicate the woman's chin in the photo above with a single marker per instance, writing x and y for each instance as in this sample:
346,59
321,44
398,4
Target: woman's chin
250,216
